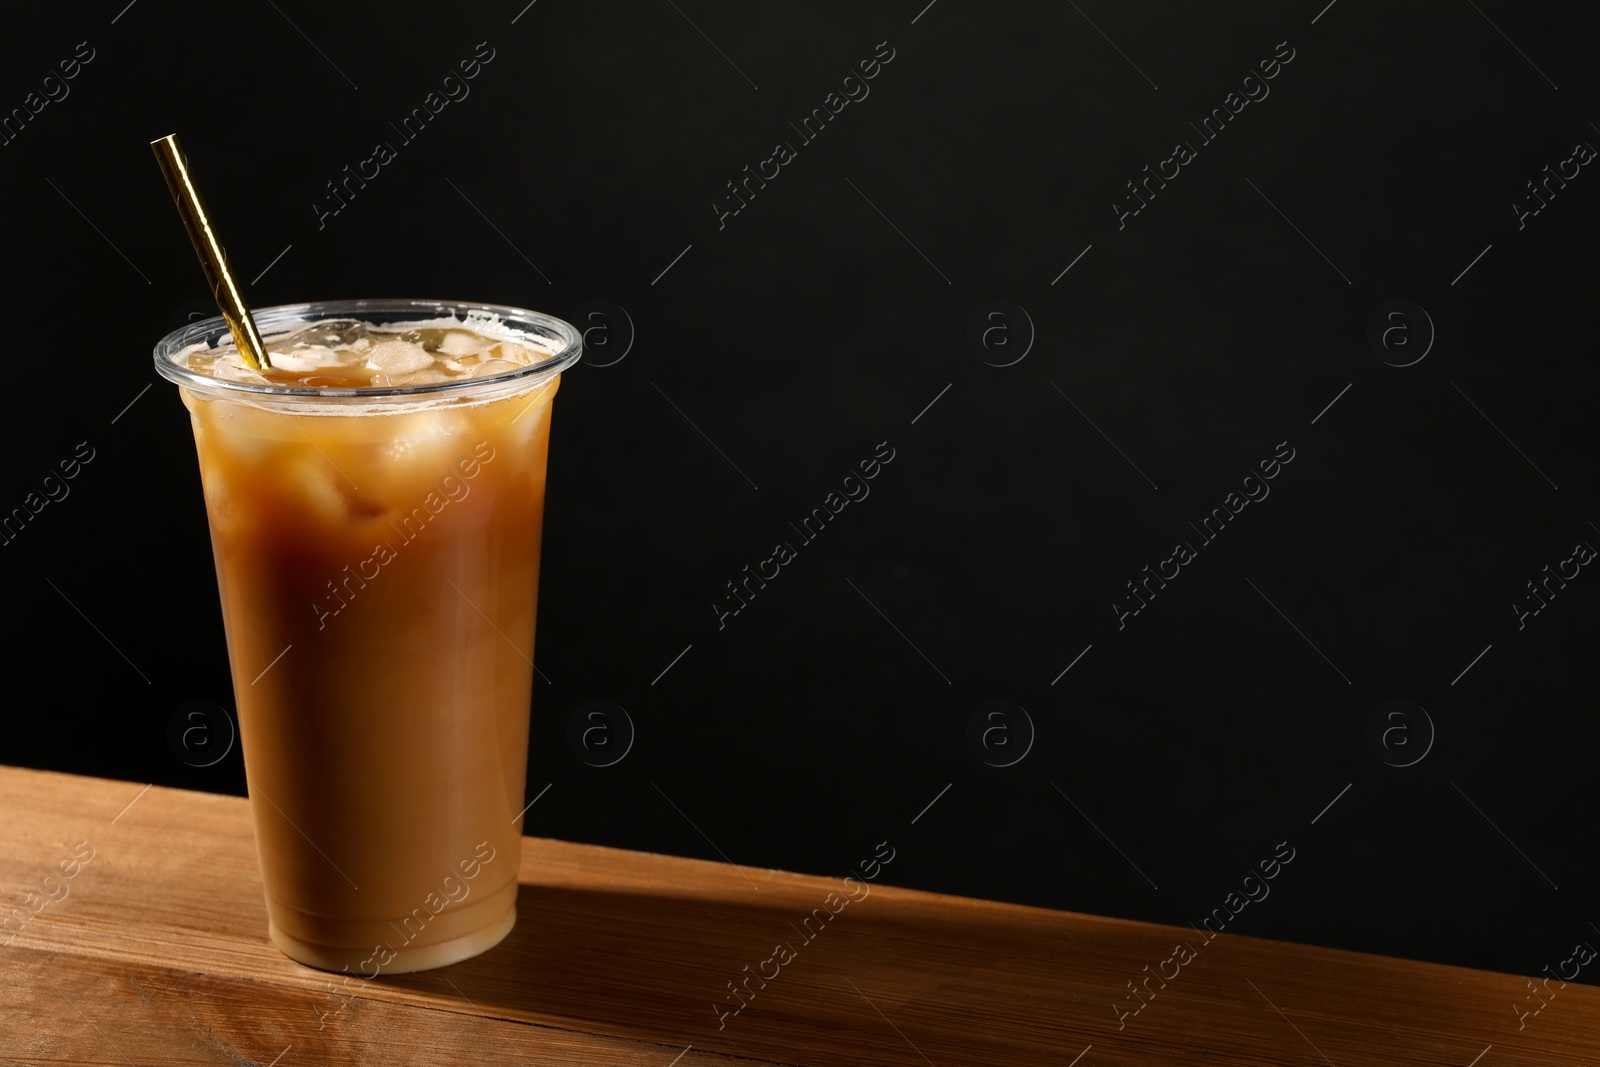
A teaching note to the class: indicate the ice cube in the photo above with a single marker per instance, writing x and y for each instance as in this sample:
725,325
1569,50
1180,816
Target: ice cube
398,357
492,366
329,333
460,343
222,505
428,337
328,493
520,354
234,372
425,437
317,482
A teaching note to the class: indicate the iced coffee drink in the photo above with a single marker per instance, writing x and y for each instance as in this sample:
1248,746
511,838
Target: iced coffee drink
375,500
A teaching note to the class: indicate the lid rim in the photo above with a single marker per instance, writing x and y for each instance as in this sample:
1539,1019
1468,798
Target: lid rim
543,327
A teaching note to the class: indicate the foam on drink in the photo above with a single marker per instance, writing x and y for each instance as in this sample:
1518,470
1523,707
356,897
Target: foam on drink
350,354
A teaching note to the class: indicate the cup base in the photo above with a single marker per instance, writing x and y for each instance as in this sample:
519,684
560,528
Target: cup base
421,958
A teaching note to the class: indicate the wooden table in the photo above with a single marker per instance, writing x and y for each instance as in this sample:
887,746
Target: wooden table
155,952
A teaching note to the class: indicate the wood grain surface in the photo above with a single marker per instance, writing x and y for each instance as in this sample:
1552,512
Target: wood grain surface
155,952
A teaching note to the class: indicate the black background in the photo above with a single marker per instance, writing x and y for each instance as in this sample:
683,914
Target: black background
822,320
